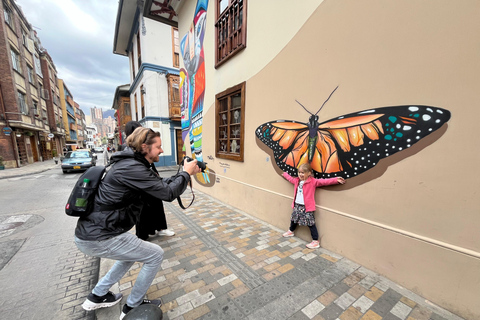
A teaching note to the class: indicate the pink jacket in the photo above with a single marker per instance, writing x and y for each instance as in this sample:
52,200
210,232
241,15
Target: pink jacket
309,189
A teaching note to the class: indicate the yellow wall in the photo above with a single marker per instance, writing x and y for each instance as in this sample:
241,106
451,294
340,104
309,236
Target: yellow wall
413,218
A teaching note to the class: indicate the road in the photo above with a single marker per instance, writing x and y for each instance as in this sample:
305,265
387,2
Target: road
42,273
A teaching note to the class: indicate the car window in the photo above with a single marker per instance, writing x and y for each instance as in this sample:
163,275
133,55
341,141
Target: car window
80,155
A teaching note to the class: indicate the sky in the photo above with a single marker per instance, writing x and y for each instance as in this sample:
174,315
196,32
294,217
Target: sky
78,35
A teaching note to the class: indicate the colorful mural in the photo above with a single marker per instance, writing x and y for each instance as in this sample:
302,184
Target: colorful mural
192,85
350,144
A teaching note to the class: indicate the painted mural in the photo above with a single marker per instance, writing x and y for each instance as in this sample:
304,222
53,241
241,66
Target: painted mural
351,144
192,86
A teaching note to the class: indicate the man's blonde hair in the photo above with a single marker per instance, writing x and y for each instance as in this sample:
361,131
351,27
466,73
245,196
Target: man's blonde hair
140,136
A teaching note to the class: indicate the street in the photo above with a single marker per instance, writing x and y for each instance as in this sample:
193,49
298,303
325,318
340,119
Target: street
43,274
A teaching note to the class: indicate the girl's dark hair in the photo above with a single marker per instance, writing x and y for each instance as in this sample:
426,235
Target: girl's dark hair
131,126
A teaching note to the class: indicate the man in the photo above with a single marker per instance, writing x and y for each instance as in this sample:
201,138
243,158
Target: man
118,203
152,220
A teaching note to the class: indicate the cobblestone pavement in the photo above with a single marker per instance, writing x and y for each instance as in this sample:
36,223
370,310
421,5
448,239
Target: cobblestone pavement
43,276
225,264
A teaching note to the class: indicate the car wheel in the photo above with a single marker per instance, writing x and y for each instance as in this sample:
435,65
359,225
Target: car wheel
64,171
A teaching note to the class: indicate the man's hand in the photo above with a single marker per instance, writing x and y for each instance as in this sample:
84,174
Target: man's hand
191,167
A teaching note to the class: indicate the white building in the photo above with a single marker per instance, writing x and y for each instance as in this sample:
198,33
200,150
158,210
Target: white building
91,136
152,49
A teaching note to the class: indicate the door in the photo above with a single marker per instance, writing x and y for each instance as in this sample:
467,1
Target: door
180,152
33,145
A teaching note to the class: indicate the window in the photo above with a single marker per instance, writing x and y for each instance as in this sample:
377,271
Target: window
133,67
22,102
230,123
176,48
230,29
136,107
24,37
35,108
126,108
142,101
16,61
139,51
30,74
8,16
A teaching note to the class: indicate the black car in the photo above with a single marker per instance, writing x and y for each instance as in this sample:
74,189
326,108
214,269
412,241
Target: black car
79,160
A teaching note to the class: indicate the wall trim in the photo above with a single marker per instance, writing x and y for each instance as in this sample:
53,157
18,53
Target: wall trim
151,67
438,243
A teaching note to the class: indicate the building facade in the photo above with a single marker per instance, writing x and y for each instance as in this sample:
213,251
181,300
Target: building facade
154,89
404,218
50,93
24,123
123,112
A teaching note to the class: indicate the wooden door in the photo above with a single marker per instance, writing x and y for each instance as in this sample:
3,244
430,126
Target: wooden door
180,152
33,145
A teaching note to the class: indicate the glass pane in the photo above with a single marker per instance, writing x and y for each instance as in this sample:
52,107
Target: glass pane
236,100
223,105
223,118
235,116
235,146
223,133
223,146
235,132
223,5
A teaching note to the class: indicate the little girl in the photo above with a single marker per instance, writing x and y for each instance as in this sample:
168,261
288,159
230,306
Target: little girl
304,201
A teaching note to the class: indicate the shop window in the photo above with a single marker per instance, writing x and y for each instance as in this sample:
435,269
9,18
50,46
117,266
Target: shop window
230,123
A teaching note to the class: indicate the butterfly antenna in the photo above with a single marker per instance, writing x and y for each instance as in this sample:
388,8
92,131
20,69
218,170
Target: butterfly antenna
303,107
326,100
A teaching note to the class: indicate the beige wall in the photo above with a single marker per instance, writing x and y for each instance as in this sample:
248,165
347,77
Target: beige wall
413,218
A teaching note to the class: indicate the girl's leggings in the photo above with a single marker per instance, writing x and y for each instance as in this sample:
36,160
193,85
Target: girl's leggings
313,229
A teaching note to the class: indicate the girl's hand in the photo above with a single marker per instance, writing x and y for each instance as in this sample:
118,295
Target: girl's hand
340,180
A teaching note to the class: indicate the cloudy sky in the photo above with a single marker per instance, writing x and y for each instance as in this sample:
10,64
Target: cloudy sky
78,35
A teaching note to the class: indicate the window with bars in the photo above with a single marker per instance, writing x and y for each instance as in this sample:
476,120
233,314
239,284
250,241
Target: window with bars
17,66
230,29
230,123
22,102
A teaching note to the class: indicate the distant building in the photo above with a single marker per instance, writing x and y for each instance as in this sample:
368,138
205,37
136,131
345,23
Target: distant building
153,53
69,114
28,127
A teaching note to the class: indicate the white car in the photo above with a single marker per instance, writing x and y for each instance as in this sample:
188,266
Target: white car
98,150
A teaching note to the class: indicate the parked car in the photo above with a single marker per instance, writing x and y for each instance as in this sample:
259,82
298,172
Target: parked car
98,149
79,160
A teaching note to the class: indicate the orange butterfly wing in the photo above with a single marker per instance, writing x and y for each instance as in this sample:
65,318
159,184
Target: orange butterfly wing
350,144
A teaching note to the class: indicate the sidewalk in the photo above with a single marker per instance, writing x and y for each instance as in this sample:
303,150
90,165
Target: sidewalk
224,264
41,166
36,167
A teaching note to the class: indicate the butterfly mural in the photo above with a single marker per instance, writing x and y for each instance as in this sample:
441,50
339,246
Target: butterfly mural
351,144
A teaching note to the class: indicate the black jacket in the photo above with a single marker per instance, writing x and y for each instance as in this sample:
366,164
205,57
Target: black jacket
127,185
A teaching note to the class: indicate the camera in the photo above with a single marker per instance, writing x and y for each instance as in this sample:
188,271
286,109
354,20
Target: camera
200,164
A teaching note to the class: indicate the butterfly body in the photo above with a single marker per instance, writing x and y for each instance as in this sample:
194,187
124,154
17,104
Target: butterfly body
351,144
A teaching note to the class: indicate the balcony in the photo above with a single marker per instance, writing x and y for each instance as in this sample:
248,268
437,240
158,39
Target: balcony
174,111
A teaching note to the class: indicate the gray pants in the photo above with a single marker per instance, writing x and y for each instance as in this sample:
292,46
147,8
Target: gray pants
127,249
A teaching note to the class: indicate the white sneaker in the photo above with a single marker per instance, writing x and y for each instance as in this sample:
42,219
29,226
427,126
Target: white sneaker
166,232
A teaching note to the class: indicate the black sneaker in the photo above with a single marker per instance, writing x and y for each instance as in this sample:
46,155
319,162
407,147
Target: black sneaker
126,309
95,302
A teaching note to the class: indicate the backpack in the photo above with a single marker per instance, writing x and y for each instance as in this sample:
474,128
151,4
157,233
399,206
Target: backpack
81,199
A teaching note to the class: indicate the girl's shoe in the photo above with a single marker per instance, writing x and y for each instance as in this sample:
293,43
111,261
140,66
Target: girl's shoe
288,234
313,245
